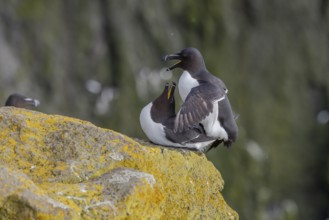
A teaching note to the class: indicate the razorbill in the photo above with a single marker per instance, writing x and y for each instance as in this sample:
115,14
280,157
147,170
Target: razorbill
21,101
205,98
157,120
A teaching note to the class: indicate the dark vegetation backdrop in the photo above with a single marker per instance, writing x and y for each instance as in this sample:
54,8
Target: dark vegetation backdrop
100,61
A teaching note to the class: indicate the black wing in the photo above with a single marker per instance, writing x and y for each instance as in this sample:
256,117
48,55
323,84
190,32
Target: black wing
228,121
198,105
192,135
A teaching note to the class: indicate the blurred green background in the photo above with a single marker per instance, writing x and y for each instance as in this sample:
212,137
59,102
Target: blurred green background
100,61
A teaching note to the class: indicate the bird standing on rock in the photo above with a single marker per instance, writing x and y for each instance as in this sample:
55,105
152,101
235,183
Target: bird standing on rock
157,120
205,98
21,101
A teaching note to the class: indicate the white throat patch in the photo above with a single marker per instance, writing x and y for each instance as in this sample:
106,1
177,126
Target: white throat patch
185,84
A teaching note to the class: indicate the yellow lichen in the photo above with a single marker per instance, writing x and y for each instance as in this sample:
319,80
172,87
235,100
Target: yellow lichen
66,159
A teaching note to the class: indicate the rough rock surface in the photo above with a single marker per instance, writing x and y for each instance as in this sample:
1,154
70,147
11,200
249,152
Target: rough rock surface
56,167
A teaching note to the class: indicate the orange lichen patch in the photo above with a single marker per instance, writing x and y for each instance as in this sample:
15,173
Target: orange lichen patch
56,167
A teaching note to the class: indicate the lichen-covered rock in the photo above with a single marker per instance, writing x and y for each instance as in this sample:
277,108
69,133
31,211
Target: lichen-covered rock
56,167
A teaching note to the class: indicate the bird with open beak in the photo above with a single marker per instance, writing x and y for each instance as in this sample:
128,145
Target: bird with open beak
204,96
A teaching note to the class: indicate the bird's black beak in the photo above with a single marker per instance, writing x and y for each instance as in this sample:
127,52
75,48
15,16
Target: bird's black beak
165,90
171,91
176,56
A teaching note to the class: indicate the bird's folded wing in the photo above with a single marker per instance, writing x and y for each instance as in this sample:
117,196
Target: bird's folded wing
192,135
198,105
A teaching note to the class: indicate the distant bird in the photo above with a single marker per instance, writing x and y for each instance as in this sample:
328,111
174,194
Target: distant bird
21,101
157,120
205,98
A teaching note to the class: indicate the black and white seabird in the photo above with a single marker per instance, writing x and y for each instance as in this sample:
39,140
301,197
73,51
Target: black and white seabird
157,120
21,101
205,98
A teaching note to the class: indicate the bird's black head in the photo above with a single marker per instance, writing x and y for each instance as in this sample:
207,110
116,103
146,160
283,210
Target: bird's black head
21,101
163,107
190,59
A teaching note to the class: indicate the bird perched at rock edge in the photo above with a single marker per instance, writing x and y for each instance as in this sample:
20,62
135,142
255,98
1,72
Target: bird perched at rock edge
205,98
21,101
157,120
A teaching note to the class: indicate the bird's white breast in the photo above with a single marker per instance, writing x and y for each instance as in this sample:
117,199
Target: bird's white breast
185,84
211,124
155,132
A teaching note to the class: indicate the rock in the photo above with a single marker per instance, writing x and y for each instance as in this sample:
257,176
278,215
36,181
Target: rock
56,167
